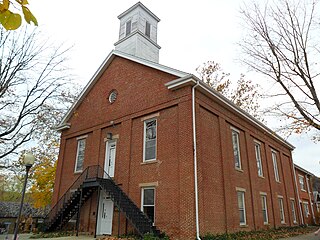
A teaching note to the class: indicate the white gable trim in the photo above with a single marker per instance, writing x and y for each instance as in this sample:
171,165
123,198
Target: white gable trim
192,80
64,125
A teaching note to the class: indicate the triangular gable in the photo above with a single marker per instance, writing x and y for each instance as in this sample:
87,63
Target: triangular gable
64,122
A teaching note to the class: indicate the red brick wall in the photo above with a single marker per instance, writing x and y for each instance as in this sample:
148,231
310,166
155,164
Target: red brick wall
141,92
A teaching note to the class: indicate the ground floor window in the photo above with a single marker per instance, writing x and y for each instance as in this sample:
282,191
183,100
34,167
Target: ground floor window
264,209
306,209
282,219
148,202
293,209
242,208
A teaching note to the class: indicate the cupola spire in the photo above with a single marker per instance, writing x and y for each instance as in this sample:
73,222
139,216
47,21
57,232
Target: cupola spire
138,33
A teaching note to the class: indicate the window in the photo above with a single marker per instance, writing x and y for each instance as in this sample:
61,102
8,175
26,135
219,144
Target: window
301,182
148,29
128,27
257,148
236,148
275,166
264,209
150,139
293,210
242,208
306,209
148,202
80,154
281,209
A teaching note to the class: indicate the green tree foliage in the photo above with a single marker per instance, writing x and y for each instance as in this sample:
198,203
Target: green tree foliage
244,93
12,20
282,43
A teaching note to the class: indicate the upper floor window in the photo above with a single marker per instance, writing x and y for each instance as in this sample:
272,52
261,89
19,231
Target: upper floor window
81,145
148,202
128,27
275,166
257,148
241,207
301,182
150,139
236,148
148,29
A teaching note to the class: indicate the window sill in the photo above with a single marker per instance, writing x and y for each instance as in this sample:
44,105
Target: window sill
303,190
244,225
283,223
78,172
266,224
149,162
238,169
260,176
278,182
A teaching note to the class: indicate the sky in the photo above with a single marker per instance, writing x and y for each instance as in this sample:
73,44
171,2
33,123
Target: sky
189,33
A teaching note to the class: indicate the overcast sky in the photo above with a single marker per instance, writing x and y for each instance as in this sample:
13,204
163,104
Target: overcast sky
189,33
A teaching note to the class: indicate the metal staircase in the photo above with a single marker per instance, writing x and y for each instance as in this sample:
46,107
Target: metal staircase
92,178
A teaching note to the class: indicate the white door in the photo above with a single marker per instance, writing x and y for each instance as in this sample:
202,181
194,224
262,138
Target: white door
110,158
105,214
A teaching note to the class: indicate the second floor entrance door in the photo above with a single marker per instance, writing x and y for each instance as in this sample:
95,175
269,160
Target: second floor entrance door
110,158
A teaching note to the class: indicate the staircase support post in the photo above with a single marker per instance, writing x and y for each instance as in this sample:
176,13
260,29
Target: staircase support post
78,214
119,212
97,209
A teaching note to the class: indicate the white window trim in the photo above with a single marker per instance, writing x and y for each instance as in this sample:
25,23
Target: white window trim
144,139
275,165
304,183
260,160
264,196
244,206
282,209
142,196
238,143
77,155
293,210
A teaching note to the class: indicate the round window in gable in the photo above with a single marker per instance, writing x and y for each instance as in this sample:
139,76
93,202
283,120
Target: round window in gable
113,96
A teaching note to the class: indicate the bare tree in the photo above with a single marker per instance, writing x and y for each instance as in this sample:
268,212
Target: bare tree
33,80
282,43
243,93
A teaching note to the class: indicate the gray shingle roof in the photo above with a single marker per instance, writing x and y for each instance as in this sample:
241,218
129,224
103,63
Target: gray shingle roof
11,209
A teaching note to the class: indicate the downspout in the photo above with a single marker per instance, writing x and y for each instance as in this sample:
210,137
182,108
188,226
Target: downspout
195,158
297,190
310,199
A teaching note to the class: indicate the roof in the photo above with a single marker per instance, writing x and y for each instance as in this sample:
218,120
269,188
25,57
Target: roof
193,80
139,4
303,170
64,122
11,210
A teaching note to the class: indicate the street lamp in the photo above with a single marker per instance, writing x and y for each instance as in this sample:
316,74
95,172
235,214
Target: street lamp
28,160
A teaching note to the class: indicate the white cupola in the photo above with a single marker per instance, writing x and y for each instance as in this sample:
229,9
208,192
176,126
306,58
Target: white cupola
138,33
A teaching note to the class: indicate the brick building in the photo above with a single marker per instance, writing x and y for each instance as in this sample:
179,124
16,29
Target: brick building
308,209
171,147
